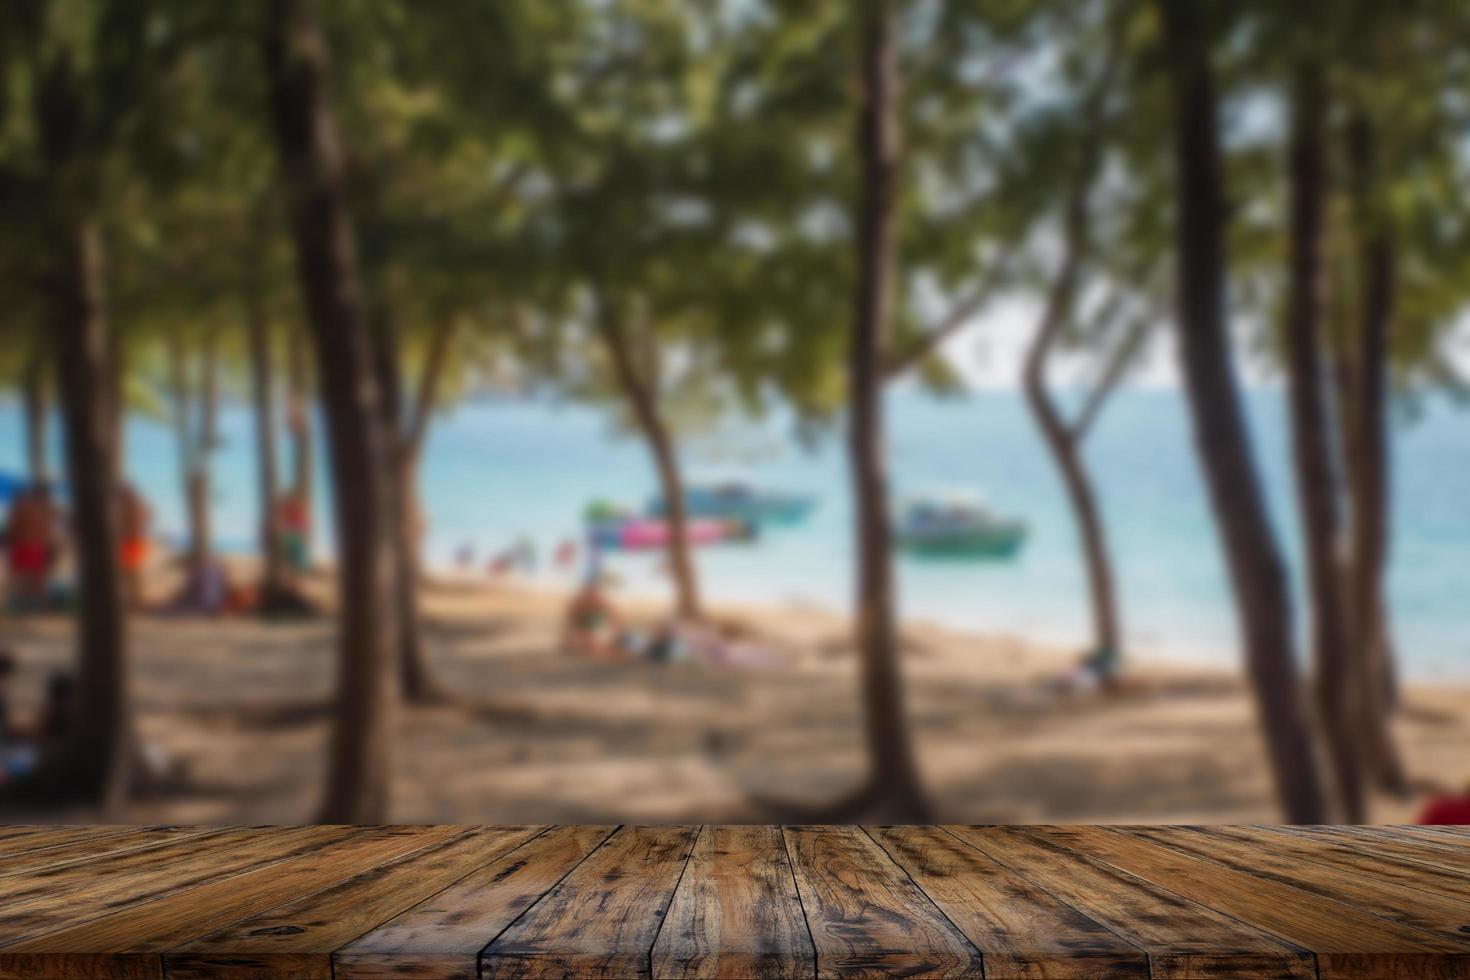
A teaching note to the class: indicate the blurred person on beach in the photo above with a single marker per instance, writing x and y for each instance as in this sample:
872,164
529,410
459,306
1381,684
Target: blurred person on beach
7,674
464,557
59,709
565,557
17,754
592,626
294,515
32,533
136,518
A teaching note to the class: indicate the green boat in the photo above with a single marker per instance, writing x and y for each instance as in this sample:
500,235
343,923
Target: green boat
957,527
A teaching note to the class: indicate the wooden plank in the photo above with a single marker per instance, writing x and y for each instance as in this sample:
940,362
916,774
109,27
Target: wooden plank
1183,938
39,902
1454,830
16,831
1348,943
1021,931
867,917
442,936
90,848
603,918
297,939
1389,847
24,839
1426,836
736,912
130,943
1427,899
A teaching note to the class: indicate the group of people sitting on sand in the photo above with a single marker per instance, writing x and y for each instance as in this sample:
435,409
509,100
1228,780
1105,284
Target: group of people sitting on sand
592,627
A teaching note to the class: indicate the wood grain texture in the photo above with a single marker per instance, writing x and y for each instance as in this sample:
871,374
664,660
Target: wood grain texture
1390,848
89,848
81,903
1021,931
130,943
1347,942
1427,899
603,918
1428,836
39,902
442,936
736,913
1183,938
297,939
867,917
18,840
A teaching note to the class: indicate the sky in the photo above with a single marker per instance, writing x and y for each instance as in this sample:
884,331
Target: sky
989,352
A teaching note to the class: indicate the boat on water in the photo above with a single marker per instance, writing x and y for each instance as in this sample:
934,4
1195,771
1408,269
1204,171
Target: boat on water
619,529
739,500
957,526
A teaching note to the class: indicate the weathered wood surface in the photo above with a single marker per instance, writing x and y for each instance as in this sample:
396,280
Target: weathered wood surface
753,901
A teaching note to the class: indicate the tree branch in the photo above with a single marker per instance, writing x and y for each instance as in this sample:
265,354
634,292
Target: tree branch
1123,355
956,319
428,387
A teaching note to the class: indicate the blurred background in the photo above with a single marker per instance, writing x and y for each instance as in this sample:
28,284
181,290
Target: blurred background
734,410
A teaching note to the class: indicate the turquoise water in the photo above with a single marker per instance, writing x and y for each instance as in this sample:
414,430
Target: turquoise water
495,470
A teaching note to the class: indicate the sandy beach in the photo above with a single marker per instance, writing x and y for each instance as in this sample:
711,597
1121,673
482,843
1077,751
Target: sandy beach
530,734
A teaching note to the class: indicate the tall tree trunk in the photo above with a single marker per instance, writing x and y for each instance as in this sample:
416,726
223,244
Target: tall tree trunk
299,380
1369,474
93,759
35,408
185,442
312,160
893,774
1221,441
207,437
643,400
414,674
1310,428
262,384
192,436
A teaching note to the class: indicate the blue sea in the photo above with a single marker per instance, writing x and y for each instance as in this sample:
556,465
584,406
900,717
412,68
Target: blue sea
499,469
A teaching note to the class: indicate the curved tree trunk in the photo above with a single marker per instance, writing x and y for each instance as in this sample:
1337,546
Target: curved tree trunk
642,399
93,760
1369,472
1257,572
312,160
894,784
1311,443
262,384
35,408
1066,452
671,484
1064,440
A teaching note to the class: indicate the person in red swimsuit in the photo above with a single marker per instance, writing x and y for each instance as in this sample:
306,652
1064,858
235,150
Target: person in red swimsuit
30,539
136,516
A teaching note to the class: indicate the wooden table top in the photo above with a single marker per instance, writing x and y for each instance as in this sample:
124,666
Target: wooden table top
1036,901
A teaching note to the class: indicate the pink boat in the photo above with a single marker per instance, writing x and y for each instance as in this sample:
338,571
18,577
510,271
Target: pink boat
642,533
654,533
